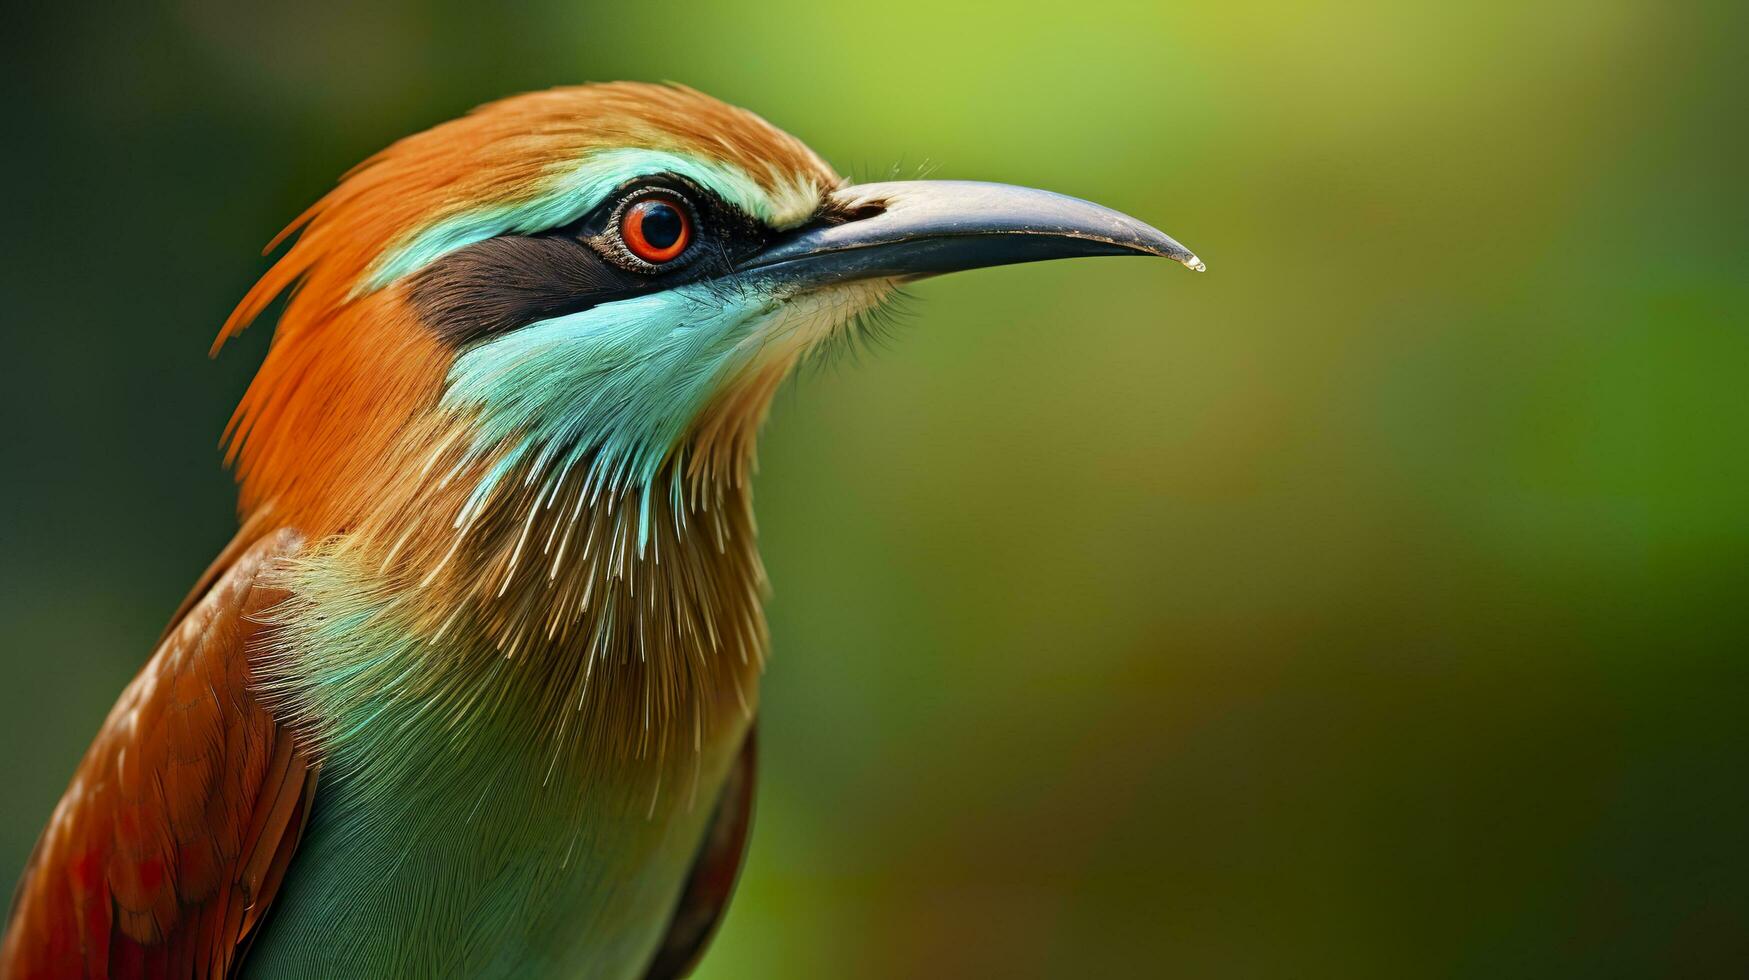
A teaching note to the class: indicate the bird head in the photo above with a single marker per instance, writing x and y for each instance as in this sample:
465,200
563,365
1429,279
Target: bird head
527,349
599,287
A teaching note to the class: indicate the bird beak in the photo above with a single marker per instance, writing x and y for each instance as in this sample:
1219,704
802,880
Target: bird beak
912,229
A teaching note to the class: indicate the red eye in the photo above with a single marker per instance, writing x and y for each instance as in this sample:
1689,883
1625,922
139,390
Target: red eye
656,229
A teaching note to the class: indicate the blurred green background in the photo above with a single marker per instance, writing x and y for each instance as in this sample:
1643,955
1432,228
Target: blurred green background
1371,606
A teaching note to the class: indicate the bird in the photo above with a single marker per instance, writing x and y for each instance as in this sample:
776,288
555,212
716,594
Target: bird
473,690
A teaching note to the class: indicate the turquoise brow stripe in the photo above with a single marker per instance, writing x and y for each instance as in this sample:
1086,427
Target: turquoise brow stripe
567,197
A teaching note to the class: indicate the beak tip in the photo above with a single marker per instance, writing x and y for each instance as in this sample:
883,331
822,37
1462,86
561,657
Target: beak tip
1156,242
1181,255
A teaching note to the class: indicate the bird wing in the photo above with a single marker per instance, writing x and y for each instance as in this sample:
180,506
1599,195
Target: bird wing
712,879
175,832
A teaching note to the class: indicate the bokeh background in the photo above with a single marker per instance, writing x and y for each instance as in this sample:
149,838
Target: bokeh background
1371,606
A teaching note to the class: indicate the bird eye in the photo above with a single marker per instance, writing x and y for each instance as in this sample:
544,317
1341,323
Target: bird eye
656,229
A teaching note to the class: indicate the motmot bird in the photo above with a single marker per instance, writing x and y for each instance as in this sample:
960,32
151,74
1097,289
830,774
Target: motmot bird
472,692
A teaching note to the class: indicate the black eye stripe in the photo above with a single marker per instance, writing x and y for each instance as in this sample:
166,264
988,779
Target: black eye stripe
510,281
513,280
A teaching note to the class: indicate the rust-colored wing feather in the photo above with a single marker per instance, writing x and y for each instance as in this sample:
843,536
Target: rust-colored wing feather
175,831
712,880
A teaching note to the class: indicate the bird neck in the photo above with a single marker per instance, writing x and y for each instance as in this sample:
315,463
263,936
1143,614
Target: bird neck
605,628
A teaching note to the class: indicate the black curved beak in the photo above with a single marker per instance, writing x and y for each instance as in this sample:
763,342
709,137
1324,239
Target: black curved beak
916,228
